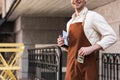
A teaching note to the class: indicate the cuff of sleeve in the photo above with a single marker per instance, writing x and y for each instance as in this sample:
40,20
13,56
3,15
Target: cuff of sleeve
65,46
102,45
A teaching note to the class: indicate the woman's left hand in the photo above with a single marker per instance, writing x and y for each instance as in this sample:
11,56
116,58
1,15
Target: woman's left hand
84,51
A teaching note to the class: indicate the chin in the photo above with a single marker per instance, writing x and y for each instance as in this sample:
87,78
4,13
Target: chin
77,7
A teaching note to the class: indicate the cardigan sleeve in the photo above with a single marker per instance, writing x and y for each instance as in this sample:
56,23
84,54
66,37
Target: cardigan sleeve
108,36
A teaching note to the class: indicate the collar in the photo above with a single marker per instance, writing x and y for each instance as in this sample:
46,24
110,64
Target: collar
81,13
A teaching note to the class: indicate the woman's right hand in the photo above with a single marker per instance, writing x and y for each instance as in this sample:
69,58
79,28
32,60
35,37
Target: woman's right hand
60,41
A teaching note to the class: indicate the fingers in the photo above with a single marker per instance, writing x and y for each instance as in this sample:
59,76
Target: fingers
60,41
81,52
84,51
60,35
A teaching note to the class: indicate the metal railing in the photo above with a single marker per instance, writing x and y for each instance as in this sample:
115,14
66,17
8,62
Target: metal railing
110,66
45,63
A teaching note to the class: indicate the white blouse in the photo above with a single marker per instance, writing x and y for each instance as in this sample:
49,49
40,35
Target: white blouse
96,29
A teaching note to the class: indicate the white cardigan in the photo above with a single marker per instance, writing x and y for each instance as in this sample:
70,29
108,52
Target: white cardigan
96,29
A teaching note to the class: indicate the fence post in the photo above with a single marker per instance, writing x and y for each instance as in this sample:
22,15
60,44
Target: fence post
60,67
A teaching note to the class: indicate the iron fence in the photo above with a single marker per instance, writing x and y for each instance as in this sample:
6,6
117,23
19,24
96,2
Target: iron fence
110,66
45,63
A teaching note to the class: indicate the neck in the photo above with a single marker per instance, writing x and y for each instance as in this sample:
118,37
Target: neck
77,11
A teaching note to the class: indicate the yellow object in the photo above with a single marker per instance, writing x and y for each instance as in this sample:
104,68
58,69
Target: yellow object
9,68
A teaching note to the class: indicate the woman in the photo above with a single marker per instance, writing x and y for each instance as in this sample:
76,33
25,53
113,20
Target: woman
88,32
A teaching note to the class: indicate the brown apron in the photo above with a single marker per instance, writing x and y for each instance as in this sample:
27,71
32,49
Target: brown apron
75,70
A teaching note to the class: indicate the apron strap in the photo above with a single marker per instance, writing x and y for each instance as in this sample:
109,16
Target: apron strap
84,19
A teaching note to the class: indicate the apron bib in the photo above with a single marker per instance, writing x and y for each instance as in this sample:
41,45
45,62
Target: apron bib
75,70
